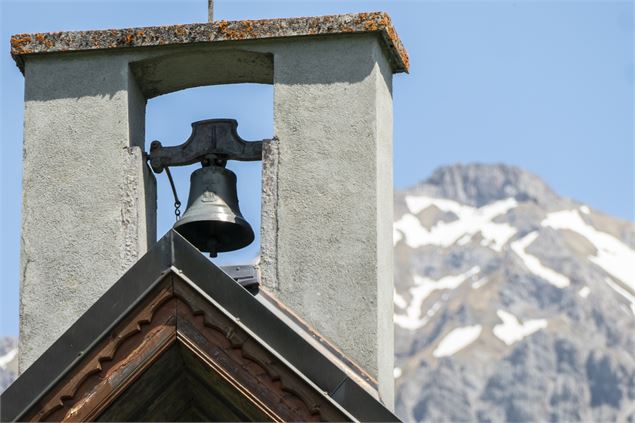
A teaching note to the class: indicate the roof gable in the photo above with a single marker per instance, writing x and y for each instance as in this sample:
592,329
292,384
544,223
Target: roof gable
174,301
179,387
177,353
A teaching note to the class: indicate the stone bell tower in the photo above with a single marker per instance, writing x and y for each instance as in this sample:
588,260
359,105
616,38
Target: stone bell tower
89,199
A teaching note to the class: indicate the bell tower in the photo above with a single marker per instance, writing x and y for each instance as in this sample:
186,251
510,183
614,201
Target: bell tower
89,200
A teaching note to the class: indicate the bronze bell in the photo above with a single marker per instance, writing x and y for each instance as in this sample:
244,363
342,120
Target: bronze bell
212,221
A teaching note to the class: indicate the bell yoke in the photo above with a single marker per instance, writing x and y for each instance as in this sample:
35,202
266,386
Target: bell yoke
212,221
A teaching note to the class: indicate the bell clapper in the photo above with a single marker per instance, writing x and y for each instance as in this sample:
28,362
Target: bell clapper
212,247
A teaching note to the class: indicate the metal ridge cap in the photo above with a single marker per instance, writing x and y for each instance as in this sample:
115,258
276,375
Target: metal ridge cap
242,30
326,347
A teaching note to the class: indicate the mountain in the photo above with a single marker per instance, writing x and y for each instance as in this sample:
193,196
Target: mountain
8,360
511,302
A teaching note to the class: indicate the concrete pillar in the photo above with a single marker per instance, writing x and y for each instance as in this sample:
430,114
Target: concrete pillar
88,210
326,246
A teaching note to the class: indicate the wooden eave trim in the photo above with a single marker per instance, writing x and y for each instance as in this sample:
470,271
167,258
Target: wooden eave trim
160,320
212,365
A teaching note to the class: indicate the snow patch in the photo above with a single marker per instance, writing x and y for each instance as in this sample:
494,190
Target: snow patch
479,283
396,236
512,331
433,310
418,203
456,340
584,292
464,239
422,288
615,257
624,293
585,210
471,220
6,358
533,264
396,372
399,300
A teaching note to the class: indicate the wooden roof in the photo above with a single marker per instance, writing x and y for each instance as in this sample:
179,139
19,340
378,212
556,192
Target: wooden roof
176,339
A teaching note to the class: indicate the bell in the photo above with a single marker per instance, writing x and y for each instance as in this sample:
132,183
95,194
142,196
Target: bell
212,221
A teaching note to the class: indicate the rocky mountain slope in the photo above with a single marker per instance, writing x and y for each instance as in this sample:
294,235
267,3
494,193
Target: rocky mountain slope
8,361
511,303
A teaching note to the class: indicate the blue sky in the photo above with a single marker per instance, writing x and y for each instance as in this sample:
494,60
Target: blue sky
547,86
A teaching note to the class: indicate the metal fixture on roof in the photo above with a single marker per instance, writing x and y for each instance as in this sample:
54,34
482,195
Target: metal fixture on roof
212,221
210,11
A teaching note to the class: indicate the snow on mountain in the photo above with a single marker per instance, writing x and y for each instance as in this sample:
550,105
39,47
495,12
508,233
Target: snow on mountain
584,291
511,303
7,358
422,288
511,330
617,258
534,265
8,361
469,221
623,292
456,340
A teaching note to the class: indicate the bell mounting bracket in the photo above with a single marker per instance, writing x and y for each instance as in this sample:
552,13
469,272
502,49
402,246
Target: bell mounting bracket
213,141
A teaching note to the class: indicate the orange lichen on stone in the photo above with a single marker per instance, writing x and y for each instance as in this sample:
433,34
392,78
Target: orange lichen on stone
180,31
375,22
18,40
222,25
18,43
237,31
249,26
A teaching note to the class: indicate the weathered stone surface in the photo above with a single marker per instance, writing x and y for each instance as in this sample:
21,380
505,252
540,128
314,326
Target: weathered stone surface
379,22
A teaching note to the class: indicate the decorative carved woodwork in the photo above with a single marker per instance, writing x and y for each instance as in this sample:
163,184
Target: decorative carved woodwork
176,314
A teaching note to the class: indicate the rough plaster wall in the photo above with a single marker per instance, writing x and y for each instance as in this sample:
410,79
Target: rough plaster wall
321,238
84,193
269,216
384,159
173,69
146,200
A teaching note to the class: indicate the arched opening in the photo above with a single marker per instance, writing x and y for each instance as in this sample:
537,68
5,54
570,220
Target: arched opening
169,118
